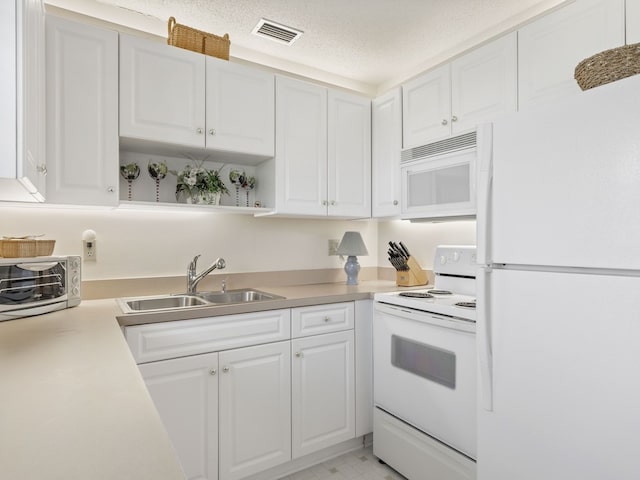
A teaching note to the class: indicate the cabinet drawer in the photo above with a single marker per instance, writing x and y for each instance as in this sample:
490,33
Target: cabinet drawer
317,319
159,341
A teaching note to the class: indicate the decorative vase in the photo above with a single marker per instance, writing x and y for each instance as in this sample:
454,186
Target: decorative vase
203,198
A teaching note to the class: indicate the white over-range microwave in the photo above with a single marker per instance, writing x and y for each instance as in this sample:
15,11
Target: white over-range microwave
439,179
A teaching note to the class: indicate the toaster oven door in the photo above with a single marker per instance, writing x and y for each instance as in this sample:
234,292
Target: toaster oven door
32,284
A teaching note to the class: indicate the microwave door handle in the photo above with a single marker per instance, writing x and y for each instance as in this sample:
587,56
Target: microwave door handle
484,193
37,267
483,334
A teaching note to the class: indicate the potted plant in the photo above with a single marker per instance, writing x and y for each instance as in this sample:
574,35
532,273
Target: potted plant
199,185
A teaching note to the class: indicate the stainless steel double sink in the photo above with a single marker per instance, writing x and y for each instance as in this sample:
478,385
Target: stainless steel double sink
181,301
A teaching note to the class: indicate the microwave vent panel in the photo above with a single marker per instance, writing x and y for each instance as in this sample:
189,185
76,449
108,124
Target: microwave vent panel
448,145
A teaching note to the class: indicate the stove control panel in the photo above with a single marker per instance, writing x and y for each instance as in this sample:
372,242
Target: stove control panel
455,260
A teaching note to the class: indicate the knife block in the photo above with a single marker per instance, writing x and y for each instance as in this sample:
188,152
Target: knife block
413,277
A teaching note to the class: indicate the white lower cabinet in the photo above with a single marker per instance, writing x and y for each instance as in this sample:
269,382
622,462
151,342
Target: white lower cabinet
244,398
255,409
185,392
322,392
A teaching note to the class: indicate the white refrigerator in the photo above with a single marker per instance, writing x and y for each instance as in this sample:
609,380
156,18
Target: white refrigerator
558,286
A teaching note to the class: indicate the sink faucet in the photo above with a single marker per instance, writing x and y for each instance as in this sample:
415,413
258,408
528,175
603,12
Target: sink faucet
193,279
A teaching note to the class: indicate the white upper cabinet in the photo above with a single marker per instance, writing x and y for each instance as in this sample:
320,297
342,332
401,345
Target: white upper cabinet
633,21
457,96
484,84
426,107
82,113
175,96
386,125
550,48
301,148
349,155
323,151
22,97
240,108
162,92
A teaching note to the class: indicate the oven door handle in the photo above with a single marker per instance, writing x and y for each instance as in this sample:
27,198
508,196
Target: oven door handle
483,336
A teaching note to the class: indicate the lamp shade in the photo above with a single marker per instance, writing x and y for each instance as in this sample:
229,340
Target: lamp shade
352,244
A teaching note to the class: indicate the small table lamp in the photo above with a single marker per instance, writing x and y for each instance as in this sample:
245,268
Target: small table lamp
352,245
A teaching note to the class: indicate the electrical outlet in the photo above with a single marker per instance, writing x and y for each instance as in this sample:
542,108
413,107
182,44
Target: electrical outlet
333,246
89,253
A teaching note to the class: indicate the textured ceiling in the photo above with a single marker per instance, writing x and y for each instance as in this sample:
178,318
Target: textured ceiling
370,42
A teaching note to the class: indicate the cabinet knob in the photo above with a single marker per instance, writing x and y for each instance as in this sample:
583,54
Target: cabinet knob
444,121
333,202
199,131
212,131
395,202
225,369
42,169
327,319
324,202
111,189
213,371
454,119
299,354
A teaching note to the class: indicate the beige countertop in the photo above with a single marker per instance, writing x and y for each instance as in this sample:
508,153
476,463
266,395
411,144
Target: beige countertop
73,404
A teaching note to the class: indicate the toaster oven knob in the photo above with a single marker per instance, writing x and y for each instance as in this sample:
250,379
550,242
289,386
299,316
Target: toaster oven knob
75,280
75,291
443,259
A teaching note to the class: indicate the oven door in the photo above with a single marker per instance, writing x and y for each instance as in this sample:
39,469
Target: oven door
440,186
29,285
425,373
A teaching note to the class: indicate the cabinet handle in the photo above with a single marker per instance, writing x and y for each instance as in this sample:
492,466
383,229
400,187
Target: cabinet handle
444,121
225,369
327,319
395,202
42,169
213,371
299,354
199,131
212,131
111,189
454,119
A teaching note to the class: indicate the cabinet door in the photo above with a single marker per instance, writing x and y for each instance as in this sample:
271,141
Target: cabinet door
185,393
349,155
31,97
240,108
426,108
301,148
322,396
484,84
550,48
386,139
633,21
255,409
162,92
82,113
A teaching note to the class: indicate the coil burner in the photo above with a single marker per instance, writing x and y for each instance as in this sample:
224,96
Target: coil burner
415,294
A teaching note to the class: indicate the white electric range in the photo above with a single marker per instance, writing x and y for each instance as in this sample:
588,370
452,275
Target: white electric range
425,372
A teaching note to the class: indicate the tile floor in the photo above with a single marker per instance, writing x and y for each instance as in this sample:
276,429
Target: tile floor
357,465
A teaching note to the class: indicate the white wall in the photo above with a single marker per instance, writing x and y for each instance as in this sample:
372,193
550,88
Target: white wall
159,242
422,238
144,243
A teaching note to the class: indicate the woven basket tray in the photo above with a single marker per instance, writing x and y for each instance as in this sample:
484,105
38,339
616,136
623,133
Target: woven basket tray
198,41
608,66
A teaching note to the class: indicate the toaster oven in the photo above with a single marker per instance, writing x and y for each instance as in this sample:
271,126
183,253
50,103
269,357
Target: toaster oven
32,286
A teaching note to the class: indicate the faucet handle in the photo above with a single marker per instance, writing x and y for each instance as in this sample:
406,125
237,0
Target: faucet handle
192,263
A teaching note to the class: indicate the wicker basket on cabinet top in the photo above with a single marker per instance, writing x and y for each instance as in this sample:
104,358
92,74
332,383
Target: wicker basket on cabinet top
608,66
198,41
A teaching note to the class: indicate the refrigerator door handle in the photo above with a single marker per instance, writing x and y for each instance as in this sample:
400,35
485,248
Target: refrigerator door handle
483,192
483,337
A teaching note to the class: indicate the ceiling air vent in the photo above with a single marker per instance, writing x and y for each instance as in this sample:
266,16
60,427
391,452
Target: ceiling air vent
276,32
